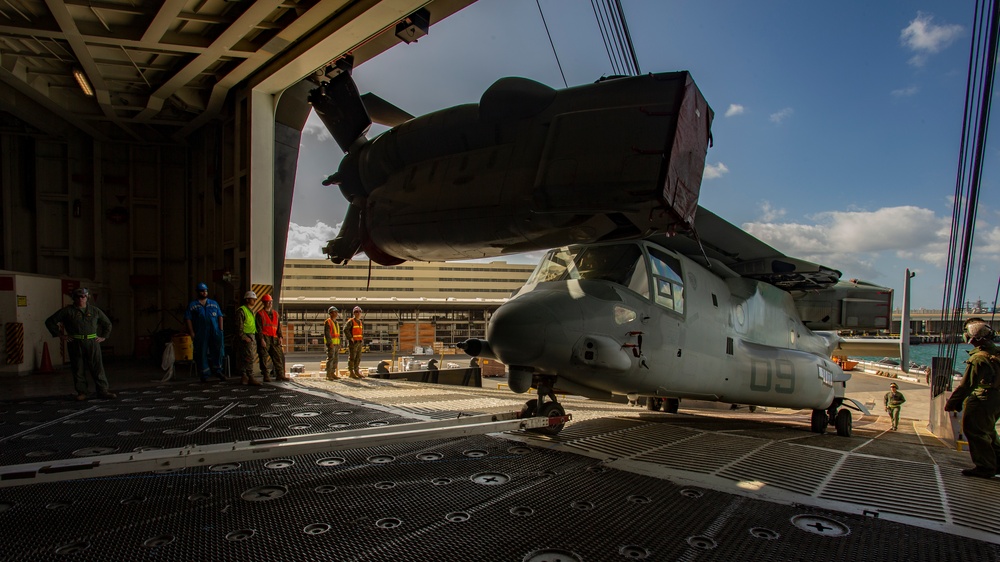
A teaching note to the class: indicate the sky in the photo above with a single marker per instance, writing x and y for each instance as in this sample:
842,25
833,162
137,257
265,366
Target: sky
837,126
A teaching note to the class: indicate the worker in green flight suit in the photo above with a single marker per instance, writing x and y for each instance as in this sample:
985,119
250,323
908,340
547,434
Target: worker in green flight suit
979,395
246,341
84,327
894,403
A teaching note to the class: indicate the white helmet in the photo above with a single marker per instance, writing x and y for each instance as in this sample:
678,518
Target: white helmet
250,295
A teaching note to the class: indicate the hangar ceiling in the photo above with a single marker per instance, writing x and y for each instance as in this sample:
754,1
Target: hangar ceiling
159,70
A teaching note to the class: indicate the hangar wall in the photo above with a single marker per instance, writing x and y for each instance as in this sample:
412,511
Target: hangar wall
142,221
147,220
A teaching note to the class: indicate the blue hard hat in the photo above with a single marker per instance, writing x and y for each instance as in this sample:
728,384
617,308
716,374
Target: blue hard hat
202,287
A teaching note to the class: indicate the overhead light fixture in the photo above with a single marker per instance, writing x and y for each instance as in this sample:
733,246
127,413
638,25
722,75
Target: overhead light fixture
414,26
81,79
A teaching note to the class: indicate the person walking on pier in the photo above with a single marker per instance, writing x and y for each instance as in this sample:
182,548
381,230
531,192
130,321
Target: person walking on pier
979,395
84,326
893,404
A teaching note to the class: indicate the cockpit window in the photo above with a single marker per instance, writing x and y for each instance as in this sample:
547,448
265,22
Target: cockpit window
667,279
618,263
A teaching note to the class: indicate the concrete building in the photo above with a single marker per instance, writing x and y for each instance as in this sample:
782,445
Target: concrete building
414,305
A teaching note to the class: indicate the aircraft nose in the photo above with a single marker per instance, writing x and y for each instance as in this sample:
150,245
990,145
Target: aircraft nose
522,330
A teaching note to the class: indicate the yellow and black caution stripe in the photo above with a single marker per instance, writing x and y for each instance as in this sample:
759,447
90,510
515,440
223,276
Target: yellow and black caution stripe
14,337
260,291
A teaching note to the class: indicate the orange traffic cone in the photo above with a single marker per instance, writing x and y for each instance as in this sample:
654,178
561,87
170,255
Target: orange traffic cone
46,366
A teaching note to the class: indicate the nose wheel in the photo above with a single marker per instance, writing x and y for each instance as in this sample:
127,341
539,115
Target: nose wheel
539,407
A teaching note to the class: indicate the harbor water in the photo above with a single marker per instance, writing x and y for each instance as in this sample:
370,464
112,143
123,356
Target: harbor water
922,354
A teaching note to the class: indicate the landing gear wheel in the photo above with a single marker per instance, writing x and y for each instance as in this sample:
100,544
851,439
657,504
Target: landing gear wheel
845,425
819,421
550,410
654,404
671,405
752,409
528,410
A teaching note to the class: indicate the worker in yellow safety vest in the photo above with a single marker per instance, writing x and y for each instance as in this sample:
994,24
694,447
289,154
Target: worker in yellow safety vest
246,342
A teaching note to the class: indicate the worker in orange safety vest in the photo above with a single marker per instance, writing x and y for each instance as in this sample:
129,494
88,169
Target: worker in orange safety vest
331,337
269,341
355,331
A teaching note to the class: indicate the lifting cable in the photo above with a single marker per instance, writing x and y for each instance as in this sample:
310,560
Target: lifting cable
561,73
617,39
975,125
614,32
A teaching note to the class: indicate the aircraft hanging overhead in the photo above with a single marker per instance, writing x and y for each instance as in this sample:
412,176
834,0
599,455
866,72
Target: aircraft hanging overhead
527,168
646,294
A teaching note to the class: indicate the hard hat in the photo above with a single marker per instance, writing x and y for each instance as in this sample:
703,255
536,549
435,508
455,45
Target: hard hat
977,329
893,385
357,309
202,287
81,292
332,309
250,295
266,298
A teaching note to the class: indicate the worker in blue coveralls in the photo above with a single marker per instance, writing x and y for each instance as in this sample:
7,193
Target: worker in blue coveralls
204,323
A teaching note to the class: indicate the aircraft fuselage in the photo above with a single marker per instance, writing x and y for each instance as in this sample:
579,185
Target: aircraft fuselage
635,318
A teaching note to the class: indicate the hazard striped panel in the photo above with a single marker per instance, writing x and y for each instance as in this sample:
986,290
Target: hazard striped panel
14,342
260,291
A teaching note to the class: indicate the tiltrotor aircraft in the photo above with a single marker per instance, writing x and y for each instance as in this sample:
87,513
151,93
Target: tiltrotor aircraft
528,168
647,294
720,316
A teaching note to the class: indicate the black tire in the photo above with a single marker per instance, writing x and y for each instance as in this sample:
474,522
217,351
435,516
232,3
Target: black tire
550,410
528,410
819,421
845,423
752,409
654,404
671,405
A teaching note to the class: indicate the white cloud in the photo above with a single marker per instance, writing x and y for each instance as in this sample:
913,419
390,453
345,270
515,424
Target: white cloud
987,244
780,116
855,241
769,213
314,127
715,171
735,109
307,242
924,37
905,92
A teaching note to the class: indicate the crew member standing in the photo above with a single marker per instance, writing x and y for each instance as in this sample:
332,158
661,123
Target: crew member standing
84,326
269,341
331,337
893,404
979,395
355,333
247,340
204,323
